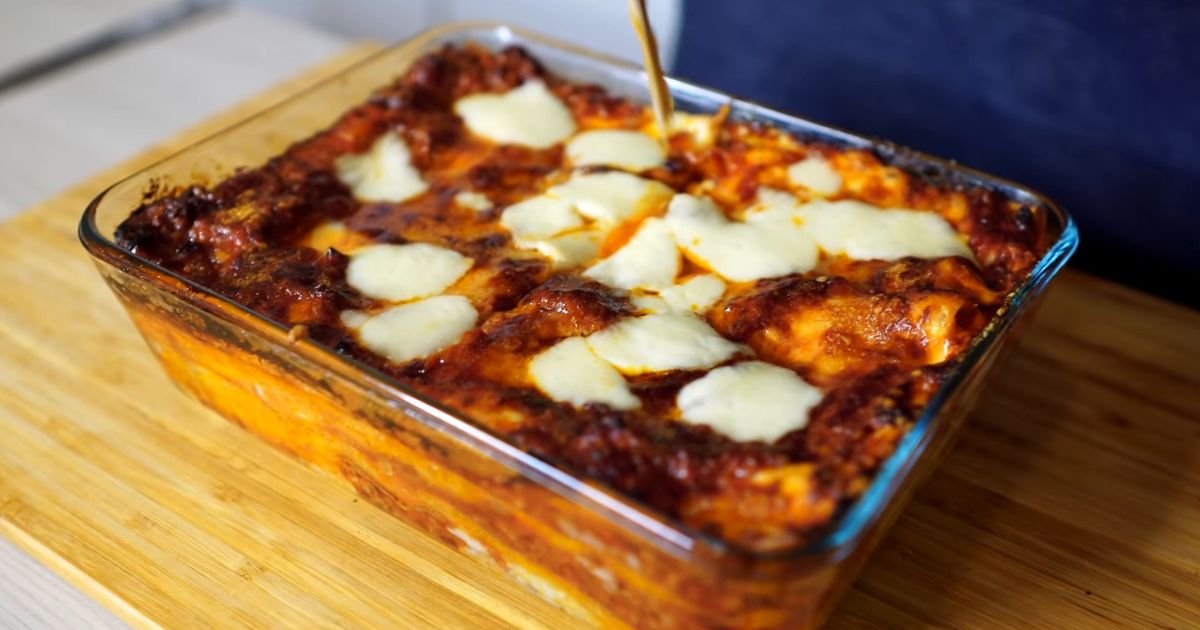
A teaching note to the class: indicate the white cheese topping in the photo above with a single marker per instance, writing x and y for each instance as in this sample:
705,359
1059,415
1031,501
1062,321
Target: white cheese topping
702,127
354,319
767,244
529,115
816,174
570,372
770,200
472,200
650,303
414,330
649,260
864,232
404,272
553,223
630,150
567,250
696,294
540,216
384,173
667,341
611,197
749,401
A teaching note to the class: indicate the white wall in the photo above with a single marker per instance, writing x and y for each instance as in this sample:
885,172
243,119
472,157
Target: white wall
599,24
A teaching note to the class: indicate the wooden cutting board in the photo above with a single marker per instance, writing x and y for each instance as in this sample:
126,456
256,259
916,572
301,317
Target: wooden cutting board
1072,500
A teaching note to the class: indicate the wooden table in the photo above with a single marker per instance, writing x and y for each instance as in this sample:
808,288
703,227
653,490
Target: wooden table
65,126
1071,501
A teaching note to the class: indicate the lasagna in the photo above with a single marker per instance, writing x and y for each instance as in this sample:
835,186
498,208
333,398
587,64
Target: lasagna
722,321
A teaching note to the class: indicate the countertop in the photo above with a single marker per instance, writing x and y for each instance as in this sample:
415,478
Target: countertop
68,125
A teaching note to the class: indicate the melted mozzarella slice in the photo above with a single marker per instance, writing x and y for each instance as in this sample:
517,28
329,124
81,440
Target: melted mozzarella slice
529,115
630,150
649,260
472,200
403,272
354,319
749,401
865,232
649,303
539,217
773,204
567,250
383,173
553,222
766,245
701,127
816,174
570,372
666,341
611,198
417,329
696,294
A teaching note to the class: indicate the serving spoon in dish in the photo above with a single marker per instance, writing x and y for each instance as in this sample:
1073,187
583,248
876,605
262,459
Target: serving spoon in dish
660,95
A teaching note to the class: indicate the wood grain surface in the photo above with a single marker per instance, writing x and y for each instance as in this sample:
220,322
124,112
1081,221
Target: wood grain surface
1072,501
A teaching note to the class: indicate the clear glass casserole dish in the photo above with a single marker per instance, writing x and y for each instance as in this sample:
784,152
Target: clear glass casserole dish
602,556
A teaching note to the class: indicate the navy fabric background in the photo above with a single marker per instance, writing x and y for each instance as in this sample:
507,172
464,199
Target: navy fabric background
1095,103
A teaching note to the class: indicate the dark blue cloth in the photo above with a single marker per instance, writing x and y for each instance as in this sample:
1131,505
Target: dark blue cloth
1096,104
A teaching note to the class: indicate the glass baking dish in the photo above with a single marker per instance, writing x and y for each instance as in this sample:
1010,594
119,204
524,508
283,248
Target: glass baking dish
606,558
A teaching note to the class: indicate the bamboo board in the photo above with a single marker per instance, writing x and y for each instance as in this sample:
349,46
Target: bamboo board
1071,501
